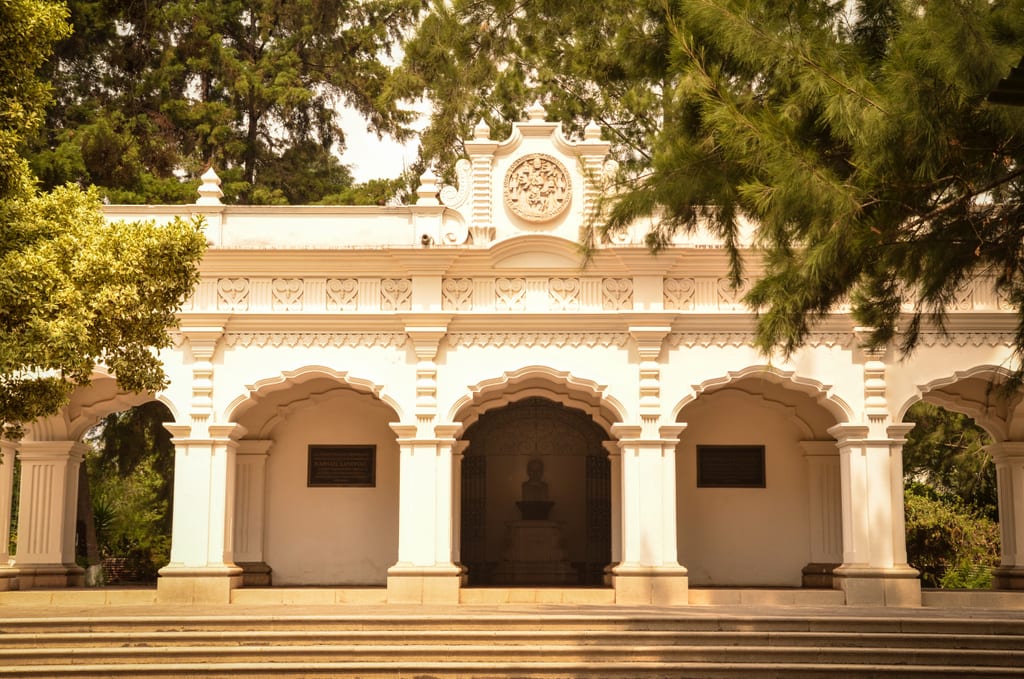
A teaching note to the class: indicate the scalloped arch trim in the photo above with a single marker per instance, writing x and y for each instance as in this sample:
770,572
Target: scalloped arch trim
261,388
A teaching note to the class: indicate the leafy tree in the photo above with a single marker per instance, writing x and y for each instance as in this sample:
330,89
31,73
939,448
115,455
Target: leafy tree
490,60
950,499
859,139
151,91
131,481
74,290
857,135
946,451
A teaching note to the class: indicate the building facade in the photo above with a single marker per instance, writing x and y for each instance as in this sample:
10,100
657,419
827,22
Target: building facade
450,395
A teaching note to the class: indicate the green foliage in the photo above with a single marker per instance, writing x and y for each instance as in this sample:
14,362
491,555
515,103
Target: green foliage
946,451
951,502
131,476
857,135
148,92
29,29
602,61
952,545
75,290
373,192
859,139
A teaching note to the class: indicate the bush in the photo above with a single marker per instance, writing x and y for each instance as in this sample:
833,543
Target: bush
954,546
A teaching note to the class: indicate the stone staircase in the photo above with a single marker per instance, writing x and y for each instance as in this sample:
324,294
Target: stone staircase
602,643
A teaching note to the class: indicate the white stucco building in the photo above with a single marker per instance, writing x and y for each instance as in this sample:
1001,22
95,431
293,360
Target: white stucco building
358,392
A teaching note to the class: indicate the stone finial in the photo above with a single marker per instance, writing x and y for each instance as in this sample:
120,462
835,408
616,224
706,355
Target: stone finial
209,190
537,112
426,194
592,131
482,130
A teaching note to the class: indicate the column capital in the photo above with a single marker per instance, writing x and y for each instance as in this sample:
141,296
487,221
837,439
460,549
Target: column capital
42,450
1005,451
182,433
634,433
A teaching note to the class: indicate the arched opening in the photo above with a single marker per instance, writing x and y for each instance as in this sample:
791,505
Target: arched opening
536,497
951,493
125,496
758,492
105,462
316,485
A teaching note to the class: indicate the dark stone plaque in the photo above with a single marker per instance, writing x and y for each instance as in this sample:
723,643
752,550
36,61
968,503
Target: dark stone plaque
730,467
342,467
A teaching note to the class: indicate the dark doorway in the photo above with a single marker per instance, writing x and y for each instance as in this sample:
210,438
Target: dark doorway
536,497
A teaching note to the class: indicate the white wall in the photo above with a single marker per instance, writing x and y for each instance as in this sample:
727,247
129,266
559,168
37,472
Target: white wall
743,536
332,536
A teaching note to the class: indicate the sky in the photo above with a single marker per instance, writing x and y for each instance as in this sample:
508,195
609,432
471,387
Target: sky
370,157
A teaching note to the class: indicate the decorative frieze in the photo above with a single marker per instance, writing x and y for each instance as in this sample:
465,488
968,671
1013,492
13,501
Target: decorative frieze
395,294
232,294
746,339
616,294
457,294
966,339
286,294
314,339
731,297
538,339
679,294
564,294
342,294
510,294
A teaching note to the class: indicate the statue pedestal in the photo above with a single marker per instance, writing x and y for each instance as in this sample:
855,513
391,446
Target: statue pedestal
535,554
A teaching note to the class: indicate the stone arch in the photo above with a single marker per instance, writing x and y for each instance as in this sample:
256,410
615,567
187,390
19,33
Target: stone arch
263,388
508,422
537,380
972,392
285,417
818,391
88,405
770,532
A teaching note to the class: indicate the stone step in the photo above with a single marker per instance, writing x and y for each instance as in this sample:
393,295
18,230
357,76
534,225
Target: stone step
596,654
457,639
504,670
461,621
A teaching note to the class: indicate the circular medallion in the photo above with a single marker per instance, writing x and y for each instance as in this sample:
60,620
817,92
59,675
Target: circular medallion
537,188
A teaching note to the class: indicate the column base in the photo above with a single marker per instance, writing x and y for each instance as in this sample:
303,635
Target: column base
864,586
818,575
49,576
1008,577
658,586
8,578
183,585
424,584
255,574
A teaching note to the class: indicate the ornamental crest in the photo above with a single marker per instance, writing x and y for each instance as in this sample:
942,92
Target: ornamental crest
537,188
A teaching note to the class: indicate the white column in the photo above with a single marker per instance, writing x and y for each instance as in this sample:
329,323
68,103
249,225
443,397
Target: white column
7,452
1009,460
649,570
615,464
47,510
824,512
458,450
874,569
250,494
202,567
426,570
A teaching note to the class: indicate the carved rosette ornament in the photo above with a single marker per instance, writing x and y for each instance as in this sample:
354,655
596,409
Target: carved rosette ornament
537,188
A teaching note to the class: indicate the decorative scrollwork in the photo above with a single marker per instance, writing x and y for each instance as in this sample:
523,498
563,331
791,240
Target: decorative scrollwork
232,294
